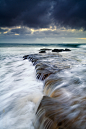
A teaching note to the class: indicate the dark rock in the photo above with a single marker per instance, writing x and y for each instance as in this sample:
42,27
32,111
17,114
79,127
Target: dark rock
25,57
60,50
57,50
43,51
66,49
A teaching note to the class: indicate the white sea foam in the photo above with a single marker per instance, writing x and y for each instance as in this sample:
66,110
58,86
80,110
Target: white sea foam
20,90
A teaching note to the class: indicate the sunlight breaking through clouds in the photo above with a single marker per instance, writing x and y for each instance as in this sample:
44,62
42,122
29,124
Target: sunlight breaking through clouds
44,29
16,34
32,30
52,34
82,38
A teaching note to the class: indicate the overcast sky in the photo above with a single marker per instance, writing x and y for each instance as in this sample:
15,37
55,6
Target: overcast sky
43,21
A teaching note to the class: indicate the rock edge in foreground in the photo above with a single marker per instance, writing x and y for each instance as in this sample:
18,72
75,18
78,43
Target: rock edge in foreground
58,109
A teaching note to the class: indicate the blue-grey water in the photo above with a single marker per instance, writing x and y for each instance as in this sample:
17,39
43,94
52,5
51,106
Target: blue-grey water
19,88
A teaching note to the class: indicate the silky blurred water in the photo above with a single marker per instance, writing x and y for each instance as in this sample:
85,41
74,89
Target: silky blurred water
19,88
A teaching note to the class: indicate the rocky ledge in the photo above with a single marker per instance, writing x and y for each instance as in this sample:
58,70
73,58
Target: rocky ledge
58,109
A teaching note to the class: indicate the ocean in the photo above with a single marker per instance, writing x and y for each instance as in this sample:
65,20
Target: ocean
20,90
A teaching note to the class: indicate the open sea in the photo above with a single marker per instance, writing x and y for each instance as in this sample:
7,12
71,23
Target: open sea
20,90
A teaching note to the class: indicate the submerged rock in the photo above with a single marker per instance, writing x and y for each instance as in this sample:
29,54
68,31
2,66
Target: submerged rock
25,57
58,111
45,49
42,51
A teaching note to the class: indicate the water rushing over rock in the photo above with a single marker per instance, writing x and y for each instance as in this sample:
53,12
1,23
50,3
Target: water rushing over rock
63,105
61,81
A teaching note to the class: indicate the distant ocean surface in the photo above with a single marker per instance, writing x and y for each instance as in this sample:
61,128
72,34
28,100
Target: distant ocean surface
19,88
41,45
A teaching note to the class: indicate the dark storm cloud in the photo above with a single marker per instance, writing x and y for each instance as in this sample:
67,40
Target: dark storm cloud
71,13
32,13
42,13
